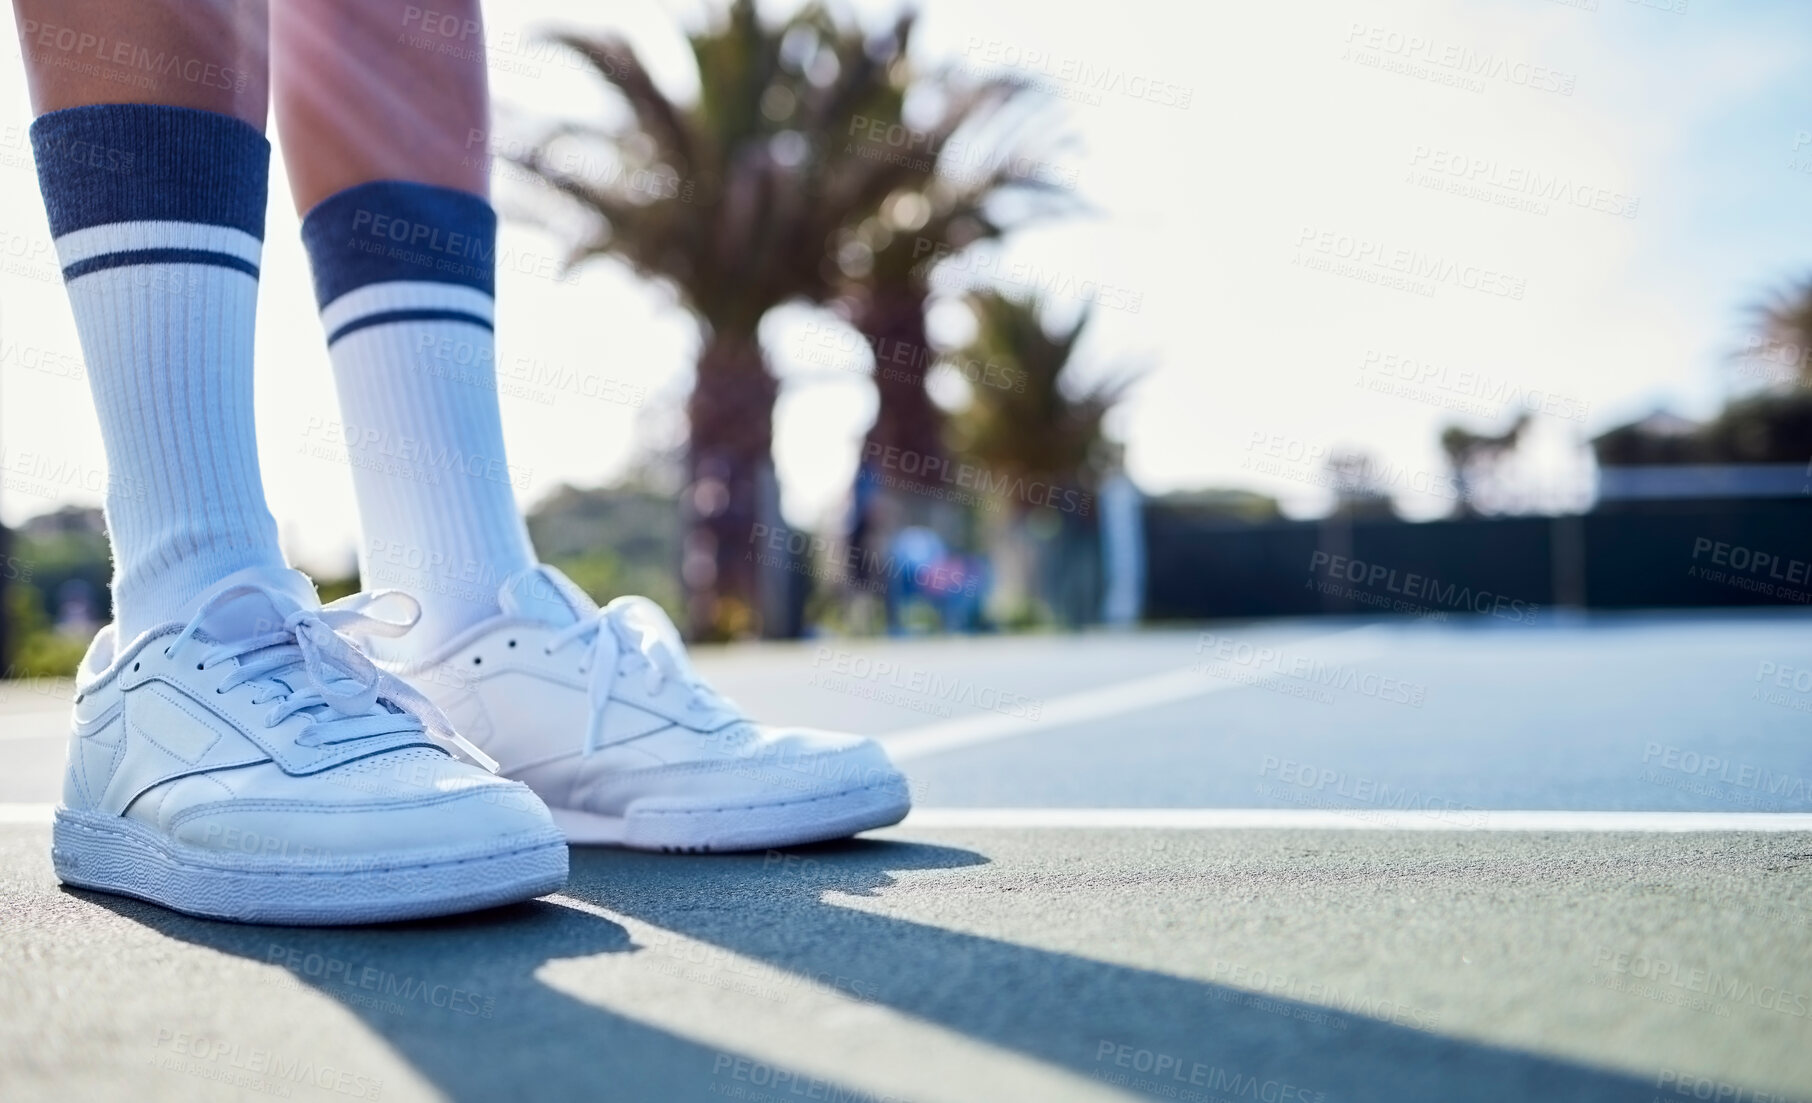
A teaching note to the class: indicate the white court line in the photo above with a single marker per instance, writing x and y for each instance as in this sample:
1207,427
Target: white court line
1355,819
1098,704
1248,819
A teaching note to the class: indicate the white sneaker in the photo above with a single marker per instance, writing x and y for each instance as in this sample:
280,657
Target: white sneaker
603,716
255,765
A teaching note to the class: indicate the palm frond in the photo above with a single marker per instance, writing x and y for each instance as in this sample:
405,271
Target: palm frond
616,61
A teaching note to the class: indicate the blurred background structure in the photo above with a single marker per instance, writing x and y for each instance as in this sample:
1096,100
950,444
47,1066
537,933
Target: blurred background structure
822,195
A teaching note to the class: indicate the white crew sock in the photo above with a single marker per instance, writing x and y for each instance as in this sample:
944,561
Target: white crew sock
404,274
158,216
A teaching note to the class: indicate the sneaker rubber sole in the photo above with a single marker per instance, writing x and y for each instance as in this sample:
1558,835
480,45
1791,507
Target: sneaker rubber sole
676,827
110,854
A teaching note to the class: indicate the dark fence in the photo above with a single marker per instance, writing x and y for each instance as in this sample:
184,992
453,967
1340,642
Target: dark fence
1630,555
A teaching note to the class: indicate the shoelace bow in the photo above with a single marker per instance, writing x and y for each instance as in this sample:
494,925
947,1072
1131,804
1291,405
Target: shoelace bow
637,626
339,686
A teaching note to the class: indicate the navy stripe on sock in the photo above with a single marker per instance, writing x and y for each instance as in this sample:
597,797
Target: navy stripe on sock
391,230
139,162
159,256
389,316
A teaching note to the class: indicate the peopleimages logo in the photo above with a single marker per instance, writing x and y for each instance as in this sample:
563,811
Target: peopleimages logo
928,683
1686,1085
1458,59
1414,264
429,246
81,49
1181,1070
1231,657
328,971
408,457
276,1069
1749,561
1493,393
781,1083
1770,676
419,235
1315,787
1033,492
784,545
1521,180
1743,775
1661,972
1433,591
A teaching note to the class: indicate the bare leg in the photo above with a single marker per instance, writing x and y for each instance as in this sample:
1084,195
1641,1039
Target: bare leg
379,90
382,108
206,54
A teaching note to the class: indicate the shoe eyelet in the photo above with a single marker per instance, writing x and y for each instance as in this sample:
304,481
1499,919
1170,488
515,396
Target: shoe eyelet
135,666
512,643
198,666
477,659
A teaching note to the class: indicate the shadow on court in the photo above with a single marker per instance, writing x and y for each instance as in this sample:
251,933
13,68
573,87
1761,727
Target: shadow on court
1056,1008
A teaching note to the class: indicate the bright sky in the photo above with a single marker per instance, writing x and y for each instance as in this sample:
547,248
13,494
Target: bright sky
1633,175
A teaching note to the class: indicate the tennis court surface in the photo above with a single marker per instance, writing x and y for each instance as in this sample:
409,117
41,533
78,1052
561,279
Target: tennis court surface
1296,860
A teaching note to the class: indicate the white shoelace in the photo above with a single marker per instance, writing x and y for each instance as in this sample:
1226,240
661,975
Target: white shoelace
636,625
338,681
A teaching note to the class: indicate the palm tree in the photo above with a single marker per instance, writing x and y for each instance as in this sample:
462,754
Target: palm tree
1784,329
1043,451
735,201
1053,429
1474,459
980,177
974,176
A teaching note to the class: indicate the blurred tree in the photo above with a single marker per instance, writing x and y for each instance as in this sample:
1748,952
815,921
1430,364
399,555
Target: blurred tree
57,570
1659,438
734,201
1051,430
1772,425
1474,459
1209,503
1766,428
968,177
1784,325
1037,455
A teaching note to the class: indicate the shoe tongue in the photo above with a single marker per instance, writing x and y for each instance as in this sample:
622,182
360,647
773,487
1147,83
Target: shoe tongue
279,593
641,623
654,632
542,593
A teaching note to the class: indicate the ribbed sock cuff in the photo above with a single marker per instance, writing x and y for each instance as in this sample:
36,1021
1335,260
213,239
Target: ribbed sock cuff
158,216
135,162
392,230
